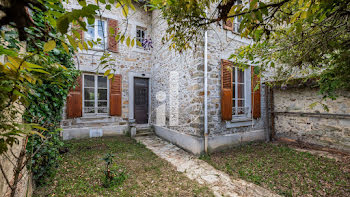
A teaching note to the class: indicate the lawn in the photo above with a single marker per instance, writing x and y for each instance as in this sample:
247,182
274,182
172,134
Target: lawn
284,170
82,170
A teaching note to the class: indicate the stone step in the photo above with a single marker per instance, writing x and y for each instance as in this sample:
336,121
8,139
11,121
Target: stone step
92,124
144,134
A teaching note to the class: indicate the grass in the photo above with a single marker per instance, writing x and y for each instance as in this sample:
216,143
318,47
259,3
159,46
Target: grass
284,170
82,170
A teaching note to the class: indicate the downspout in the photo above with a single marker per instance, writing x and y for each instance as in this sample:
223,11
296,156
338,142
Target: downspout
206,91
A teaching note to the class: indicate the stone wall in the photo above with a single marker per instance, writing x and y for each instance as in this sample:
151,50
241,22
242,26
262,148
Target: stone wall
187,68
326,130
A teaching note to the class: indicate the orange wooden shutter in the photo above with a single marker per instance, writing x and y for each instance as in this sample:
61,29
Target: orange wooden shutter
256,103
112,43
74,101
226,90
115,96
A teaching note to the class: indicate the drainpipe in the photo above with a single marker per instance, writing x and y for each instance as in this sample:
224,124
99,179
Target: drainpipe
206,91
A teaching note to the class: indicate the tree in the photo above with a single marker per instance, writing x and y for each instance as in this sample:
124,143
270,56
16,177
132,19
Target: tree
37,66
297,38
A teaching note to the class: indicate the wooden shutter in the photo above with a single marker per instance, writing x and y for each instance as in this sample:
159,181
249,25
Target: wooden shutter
256,103
74,101
226,90
115,96
112,43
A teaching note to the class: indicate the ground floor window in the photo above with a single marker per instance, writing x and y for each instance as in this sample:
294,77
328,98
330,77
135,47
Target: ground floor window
96,91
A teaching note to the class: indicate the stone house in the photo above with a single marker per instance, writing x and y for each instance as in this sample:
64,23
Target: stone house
165,90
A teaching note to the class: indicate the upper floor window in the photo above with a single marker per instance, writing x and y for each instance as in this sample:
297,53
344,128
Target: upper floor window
233,25
140,35
97,32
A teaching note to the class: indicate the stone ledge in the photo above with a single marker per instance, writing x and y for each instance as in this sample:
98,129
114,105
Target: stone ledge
81,133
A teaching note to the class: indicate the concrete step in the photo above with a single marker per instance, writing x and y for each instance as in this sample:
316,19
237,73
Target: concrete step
92,125
144,134
88,132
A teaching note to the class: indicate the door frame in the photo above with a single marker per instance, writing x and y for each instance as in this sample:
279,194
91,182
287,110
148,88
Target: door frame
132,76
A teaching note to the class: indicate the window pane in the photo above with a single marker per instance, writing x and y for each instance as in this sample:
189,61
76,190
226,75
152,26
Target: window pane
102,104
90,34
101,27
240,75
240,90
240,103
102,82
234,91
102,94
234,74
89,81
102,110
89,103
89,110
89,94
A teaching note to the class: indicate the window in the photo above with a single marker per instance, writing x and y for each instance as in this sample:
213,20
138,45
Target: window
97,31
233,25
95,95
237,20
238,98
140,35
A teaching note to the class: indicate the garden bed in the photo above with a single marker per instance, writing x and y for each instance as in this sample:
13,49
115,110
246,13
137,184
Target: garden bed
81,172
284,170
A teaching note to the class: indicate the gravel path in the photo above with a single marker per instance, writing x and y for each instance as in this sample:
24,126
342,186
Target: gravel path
195,169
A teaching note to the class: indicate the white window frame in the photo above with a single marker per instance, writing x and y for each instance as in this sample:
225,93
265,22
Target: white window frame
247,95
236,23
96,36
96,95
145,34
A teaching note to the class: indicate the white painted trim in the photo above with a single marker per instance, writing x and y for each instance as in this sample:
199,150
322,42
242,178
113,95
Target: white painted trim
131,76
96,100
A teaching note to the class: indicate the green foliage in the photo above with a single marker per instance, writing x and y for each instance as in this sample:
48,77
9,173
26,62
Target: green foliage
293,38
45,109
46,102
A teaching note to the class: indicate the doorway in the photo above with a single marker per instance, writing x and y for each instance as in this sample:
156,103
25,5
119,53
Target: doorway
141,91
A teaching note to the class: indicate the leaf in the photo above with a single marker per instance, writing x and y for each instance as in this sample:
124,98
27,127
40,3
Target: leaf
49,46
312,105
40,71
72,42
39,127
125,11
37,133
107,72
81,47
65,47
128,41
133,42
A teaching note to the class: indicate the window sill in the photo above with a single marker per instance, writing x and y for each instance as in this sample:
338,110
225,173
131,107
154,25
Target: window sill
238,122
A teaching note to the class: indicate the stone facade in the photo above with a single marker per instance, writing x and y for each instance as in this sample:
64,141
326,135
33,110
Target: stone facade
177,80
326,129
